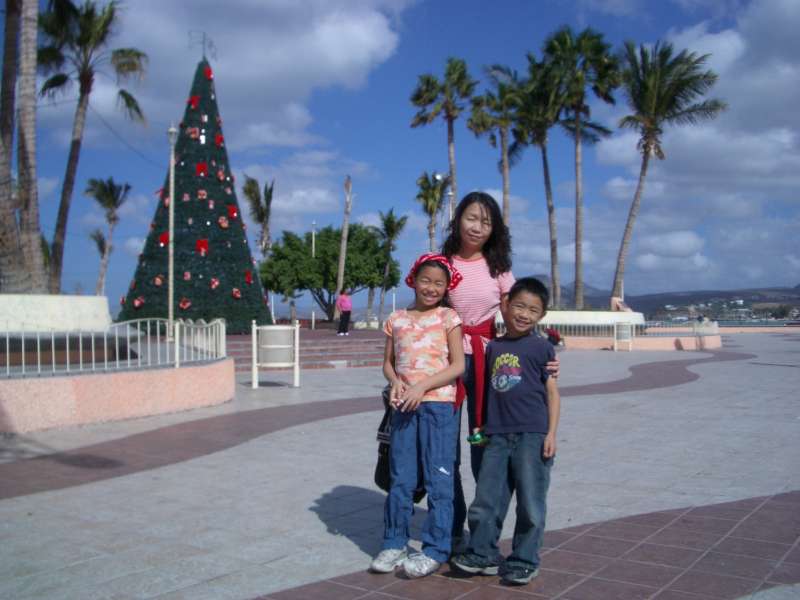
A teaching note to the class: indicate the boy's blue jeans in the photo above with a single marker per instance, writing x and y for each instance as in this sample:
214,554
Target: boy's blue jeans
429,432
518,455
475,455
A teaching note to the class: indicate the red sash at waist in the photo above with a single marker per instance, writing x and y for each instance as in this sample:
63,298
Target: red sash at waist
475,333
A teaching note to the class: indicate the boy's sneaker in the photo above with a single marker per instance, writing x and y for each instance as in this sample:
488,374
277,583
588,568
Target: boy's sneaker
516,575
420,565
388,560
475,565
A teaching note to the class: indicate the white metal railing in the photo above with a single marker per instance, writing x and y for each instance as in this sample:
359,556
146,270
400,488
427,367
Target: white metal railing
138,344
649,329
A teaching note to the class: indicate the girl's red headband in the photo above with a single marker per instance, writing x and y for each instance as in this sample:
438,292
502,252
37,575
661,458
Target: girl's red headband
455,276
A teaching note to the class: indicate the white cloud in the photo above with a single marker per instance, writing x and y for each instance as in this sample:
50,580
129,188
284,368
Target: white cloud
133,246
655,262
674,244
139,208
47,185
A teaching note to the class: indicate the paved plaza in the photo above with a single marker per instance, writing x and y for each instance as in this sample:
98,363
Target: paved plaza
677,477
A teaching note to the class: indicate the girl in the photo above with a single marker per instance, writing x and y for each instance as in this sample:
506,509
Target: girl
422,359
479,246
345,305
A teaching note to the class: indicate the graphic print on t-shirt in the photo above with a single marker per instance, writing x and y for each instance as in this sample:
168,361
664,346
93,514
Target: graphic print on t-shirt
506,372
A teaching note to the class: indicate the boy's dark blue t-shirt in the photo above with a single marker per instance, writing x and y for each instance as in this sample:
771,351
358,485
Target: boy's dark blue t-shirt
516,396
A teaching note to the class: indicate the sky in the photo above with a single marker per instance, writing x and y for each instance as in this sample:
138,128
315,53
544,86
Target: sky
313,90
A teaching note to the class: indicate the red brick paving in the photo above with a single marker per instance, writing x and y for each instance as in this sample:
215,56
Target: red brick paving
652,555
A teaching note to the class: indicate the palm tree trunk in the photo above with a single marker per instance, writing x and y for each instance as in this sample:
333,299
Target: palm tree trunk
578,215
619,274
432,232
506,176
57,252
292,311
382,301
348,205
370,303
451,157
30,231
555,280
100,290
12,273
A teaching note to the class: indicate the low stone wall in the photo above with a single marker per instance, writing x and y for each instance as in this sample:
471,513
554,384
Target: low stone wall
708,342
36,403
759,329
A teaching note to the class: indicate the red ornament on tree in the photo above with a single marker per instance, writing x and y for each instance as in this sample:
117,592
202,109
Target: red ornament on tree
158,280
138,302
211,204
194,101
201,247
214,283
187,276
248,277
208,73
232,212
223,221
236,293
220,174
186,197
201,169
194,132
184,303
122,301
163,238
202,194
219,140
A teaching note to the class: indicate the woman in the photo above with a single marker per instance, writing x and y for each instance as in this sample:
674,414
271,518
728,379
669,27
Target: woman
345,305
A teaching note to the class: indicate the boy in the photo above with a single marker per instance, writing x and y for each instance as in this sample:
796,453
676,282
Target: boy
522,416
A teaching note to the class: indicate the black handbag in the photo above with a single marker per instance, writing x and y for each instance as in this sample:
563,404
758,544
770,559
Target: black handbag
382,475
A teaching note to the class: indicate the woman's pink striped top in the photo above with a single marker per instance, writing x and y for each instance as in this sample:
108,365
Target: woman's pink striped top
477,297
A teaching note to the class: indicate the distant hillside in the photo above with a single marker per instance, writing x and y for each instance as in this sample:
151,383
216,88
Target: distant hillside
649,303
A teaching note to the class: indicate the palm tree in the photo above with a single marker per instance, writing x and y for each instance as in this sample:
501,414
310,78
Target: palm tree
583,62
29,226
348,206
110,196
430,195
391,228
542,103
493,113
76,47
662,89
446,98
260,209
12,272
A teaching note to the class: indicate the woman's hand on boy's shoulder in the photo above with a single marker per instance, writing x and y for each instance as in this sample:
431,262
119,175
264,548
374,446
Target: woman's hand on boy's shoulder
553,367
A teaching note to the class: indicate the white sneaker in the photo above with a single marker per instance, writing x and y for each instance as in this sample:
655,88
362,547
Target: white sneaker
420,565
388,560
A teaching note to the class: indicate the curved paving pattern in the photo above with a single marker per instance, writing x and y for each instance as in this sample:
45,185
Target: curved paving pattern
176,443
729,550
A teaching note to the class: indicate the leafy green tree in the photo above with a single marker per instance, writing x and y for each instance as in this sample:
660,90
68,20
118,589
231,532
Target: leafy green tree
391,228
661,89
542,103
76,46
583,62
291,269
430,194
110,196
447,98
493,114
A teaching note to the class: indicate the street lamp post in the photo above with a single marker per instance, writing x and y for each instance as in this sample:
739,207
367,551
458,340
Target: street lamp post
172,135
313,239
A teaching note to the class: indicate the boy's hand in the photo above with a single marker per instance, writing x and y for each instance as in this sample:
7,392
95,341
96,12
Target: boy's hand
412,398
398,391
549,448
553,367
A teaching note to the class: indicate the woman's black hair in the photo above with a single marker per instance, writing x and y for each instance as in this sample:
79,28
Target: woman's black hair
445,301
497,249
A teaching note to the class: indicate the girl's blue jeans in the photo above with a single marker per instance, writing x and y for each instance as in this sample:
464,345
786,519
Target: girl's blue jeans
429,433
475,455
518,455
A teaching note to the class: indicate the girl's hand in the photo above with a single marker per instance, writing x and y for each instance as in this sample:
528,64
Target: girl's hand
549,447
398,391
553,367
412,398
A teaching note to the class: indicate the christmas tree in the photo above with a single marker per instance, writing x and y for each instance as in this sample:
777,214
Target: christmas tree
215,274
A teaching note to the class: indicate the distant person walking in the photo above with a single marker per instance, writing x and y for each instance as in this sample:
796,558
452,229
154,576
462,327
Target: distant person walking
345,305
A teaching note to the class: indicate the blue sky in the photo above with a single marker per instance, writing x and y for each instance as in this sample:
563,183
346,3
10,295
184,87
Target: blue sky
312,90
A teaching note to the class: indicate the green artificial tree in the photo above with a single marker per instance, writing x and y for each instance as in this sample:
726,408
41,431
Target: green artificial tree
215,274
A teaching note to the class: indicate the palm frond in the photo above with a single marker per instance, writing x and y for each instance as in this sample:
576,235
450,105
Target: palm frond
58,83
130,106
129,62
100,241
252,193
